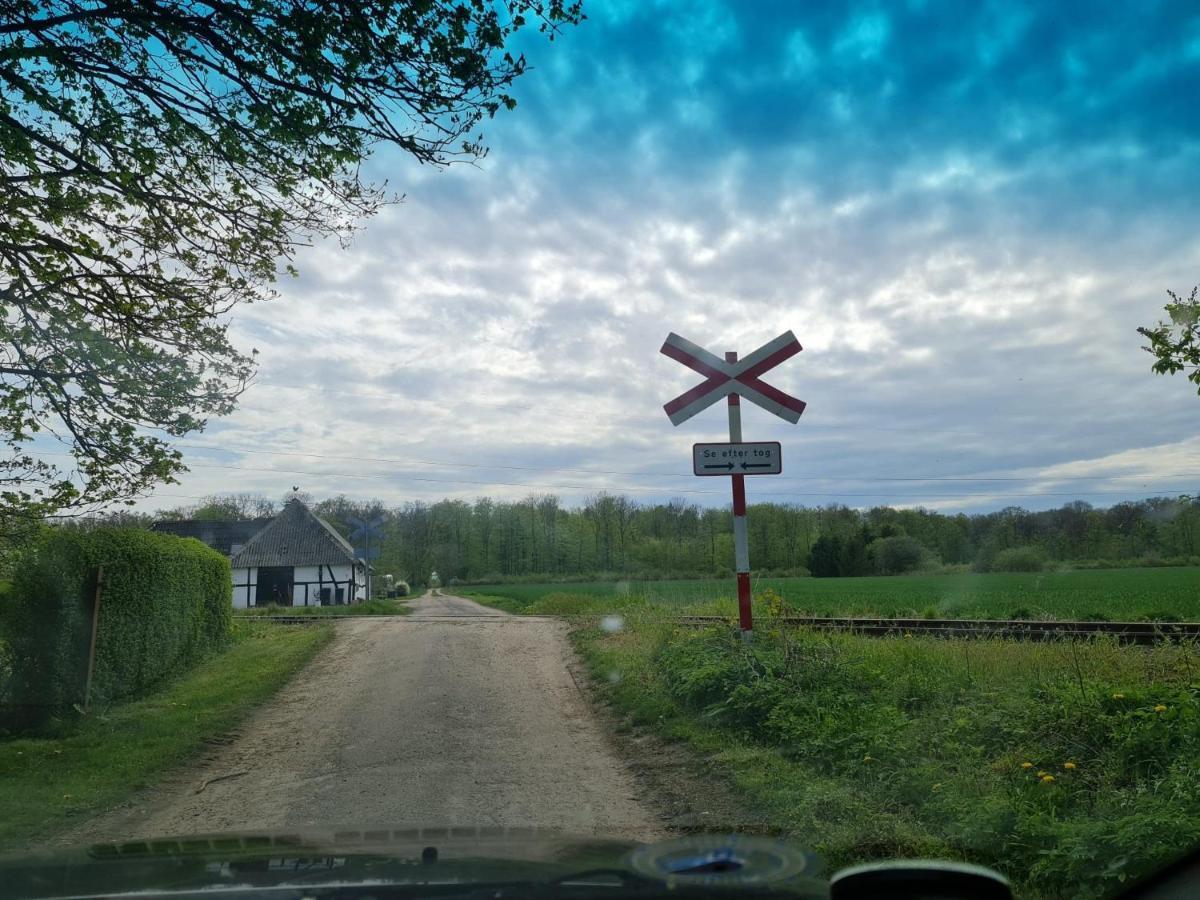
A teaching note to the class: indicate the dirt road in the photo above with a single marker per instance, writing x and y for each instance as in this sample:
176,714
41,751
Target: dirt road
455,715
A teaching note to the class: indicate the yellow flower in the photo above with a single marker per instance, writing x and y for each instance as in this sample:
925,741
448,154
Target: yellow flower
1118,696
1068,765
937,787
1043,775
1026,765
1046,779
908,634
1160,708
868,759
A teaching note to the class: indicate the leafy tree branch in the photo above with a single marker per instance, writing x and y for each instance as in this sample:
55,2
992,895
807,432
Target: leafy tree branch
160,161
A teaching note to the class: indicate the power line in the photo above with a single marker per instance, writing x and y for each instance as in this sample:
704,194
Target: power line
410,460
615,488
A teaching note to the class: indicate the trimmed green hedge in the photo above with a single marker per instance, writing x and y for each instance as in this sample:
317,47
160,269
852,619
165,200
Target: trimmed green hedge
166,602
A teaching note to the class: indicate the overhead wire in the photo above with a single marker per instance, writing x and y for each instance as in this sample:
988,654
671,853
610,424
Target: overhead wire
616,488
411,460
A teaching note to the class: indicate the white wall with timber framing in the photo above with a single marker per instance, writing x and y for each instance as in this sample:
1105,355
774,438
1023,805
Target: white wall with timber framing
310,585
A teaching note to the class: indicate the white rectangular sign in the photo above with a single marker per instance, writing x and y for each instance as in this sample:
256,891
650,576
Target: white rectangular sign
752,458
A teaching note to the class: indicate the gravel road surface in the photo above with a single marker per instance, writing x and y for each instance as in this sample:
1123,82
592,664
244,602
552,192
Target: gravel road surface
454,715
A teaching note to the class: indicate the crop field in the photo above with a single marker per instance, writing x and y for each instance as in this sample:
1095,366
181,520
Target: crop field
1164,594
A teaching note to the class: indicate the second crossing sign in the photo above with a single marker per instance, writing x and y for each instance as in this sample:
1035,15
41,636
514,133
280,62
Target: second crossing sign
733,379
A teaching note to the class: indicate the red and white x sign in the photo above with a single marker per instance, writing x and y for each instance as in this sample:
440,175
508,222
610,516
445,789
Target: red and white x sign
724,378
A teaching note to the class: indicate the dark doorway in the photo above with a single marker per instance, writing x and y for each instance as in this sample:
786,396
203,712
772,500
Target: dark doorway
274,586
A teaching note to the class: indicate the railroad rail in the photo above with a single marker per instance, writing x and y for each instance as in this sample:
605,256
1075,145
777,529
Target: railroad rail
1011,629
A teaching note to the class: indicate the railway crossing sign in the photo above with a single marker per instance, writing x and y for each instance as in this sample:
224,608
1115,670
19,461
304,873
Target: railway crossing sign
755,458
733,379
725,377
368,533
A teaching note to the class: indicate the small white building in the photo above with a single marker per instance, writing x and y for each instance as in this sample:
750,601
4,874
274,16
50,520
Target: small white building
297,560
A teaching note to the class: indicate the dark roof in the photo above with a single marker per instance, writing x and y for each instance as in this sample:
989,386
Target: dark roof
221,536
295,537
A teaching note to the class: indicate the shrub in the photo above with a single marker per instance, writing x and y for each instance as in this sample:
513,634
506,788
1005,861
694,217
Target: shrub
1019,559
401,588
166,602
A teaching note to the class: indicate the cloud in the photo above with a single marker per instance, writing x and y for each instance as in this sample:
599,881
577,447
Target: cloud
963,214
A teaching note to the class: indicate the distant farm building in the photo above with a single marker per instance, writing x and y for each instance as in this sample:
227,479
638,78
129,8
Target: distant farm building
294,559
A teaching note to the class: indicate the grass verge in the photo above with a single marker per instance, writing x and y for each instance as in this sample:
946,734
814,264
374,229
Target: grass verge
1069,767
367,608
95,762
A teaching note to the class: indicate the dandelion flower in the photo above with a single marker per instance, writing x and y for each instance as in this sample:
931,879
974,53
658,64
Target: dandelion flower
1068,765
1118,696
1026,765
868,759
1042,775
1160,708
937,787
1046,779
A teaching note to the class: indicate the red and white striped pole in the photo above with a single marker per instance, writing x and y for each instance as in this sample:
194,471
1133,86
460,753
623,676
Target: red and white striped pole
741,546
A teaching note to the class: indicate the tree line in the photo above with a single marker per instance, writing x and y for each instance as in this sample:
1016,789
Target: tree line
610,534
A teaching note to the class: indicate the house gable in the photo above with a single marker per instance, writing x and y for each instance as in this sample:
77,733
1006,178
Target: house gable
295,537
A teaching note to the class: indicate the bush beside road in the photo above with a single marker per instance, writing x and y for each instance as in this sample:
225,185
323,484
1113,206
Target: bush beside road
1070,767
165,604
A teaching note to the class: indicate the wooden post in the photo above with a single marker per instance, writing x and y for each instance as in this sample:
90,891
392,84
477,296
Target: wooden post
91,668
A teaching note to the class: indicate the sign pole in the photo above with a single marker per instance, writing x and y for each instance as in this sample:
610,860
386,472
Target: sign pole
741,545
734,379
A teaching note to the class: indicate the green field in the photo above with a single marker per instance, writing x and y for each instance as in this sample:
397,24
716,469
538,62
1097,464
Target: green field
1171,594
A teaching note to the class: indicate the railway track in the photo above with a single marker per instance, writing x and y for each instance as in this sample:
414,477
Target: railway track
1011,629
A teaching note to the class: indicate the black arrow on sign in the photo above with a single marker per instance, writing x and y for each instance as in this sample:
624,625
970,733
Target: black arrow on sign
726,466
756,465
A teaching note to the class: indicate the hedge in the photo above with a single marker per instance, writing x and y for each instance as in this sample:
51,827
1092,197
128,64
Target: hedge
166,602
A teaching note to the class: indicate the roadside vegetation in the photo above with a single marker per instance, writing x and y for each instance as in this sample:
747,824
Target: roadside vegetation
165,604
1162,594
1070,767
376,607
78,765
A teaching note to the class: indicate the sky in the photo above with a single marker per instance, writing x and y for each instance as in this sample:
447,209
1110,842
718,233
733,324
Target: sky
962,211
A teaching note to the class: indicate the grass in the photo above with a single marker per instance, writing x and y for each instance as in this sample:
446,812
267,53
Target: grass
367,608
1071,768
92,763
1111,594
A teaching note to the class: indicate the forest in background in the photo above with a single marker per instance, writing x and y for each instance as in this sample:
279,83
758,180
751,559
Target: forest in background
489,540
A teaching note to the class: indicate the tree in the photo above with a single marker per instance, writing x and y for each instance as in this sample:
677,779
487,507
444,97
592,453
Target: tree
895,554
1176,344
825,560
158,161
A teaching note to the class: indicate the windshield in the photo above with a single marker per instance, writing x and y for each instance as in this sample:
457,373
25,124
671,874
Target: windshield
621,420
